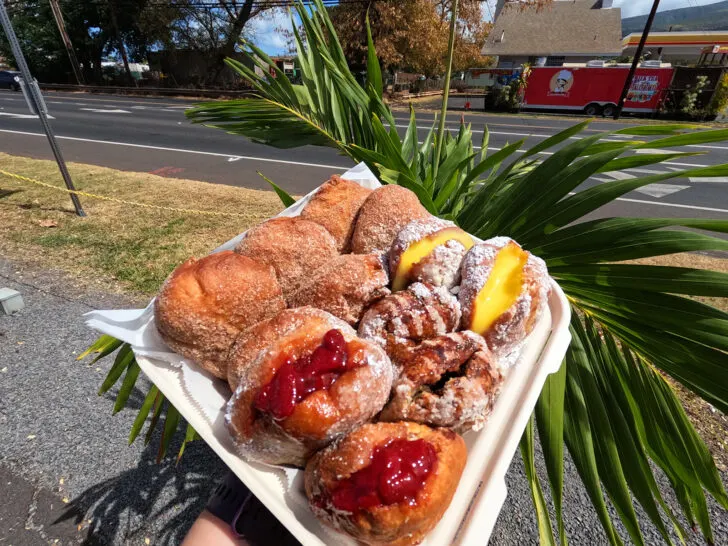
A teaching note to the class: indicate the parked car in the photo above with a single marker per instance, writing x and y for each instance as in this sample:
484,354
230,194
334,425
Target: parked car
8,81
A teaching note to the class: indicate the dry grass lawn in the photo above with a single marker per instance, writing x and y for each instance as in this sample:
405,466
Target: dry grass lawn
121,246
126,248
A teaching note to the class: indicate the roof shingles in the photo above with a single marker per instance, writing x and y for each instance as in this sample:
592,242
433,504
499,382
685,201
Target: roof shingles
559,28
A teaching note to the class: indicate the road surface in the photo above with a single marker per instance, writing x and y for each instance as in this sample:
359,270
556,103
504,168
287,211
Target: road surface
153,135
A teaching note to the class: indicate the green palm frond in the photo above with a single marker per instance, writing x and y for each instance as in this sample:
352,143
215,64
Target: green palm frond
632,325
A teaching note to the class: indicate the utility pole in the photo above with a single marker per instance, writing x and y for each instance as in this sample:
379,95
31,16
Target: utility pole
636,60
37,104
58,16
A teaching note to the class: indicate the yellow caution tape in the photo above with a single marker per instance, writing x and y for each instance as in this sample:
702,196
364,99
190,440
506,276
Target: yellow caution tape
116,199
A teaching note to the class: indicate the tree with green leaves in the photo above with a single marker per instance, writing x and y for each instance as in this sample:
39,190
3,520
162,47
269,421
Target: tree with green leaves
94,29
632,325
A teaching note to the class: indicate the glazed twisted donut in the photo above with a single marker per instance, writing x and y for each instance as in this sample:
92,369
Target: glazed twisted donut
402,320
451,380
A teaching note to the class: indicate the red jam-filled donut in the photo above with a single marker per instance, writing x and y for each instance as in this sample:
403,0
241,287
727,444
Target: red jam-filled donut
301,380
386,483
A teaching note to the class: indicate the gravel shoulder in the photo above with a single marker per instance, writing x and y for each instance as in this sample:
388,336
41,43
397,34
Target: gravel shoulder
67,474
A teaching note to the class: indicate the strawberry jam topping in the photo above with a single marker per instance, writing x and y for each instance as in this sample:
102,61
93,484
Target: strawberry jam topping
398,470
297,379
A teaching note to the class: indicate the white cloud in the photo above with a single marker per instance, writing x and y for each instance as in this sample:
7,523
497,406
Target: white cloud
265,31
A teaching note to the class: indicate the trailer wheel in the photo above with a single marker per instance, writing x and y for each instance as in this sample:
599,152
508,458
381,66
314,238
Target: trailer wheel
609,110
593,109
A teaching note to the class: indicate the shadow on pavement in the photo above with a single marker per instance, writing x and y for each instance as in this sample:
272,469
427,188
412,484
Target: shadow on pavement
161,501
151,499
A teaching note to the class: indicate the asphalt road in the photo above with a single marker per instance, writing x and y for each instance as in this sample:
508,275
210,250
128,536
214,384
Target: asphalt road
153,135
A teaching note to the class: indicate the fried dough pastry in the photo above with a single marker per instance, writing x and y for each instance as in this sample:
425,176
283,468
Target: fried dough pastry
503,292
294,247
386,483
451,380
335,206
204,304
402,320
387,210
308,381
345,286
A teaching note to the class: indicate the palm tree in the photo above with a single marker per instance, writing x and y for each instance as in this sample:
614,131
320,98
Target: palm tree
632,325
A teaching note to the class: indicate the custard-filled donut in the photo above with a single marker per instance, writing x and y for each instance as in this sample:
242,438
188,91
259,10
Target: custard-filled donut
294,247
386,483
428,250
204,304
345,286
451,381
503,292
335,206
387,210
402,320
301,380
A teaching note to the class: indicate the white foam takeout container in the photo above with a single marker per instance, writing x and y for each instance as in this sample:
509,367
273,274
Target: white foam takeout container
481,492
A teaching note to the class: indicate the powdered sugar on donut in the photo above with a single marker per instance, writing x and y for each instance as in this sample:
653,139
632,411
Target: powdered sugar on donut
417,230
515,323
441,267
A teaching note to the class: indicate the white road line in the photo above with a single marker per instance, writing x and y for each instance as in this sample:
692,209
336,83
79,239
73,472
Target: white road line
710,147
693,165
22,116
660,190
717,179
107,110
652,151
619,175
676,205
428,127
684,164
182,150
647,171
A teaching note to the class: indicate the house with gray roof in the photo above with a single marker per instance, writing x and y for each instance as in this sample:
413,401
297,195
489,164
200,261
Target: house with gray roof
560,32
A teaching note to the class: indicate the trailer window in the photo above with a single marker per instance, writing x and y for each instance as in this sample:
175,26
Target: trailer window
557,60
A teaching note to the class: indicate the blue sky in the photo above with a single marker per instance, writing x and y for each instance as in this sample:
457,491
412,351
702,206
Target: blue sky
265,33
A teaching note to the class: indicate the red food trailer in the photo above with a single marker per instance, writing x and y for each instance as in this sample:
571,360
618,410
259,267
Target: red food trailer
595,90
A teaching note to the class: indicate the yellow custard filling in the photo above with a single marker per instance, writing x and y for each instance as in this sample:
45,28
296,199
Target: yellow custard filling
421,249
501,290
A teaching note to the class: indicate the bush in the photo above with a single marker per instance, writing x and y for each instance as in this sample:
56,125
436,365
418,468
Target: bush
719,102
458,85
689,102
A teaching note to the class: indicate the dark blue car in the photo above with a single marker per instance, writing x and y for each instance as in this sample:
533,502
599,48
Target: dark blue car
8,81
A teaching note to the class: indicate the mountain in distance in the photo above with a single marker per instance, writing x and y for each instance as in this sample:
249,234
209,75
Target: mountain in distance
710,17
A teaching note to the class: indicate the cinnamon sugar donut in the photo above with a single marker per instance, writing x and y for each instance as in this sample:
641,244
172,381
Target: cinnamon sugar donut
387,210
204,304
451,381
345,286
301,380
445,245
293,246
402,320
335,206
386,483
510,326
